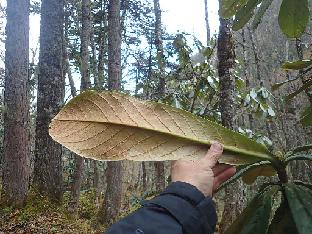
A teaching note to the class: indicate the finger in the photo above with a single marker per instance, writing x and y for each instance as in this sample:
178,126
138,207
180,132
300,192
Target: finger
224,176
219,168
173,162
213,154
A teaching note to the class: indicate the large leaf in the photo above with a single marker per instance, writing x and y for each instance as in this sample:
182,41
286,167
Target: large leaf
302,148
297,65
278,85
283,221
293,17
255,217
260,12
300,202
299,157
241,172
306,117
230,7
304,87
115,126
244,14
299,182
262,170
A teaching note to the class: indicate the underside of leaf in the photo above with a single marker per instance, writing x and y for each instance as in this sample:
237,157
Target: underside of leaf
262,170
116,126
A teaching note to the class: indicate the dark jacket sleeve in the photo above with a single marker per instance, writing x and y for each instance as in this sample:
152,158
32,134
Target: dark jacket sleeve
180,209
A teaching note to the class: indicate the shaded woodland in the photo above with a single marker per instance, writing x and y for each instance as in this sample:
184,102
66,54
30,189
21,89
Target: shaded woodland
123,45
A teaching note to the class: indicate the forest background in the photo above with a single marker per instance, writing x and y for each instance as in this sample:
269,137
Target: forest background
124,45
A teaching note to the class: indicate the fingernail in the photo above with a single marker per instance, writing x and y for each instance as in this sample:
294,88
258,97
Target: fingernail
216,146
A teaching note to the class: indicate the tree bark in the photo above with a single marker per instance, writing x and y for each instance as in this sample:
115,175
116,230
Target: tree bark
96,183
160,50
247,80
48,157
16,115
159,166
102,42
85,42
113,195
207,22
233,193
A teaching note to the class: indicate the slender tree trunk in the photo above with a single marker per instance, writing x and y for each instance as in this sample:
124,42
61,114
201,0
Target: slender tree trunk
160,50
16,115
113,195
96,182
159,166
207,22
48,157
102,42
144,177
67,69
94,61
85,84
233,193
85,42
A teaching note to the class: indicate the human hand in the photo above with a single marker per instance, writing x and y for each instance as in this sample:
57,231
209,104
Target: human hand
205,174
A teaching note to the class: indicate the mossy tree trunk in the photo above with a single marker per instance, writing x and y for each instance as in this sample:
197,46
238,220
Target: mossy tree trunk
233,193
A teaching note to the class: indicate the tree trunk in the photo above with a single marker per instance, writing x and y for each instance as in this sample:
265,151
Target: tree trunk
113,195
85,42
207,22
16,114
247,80
85,84
159,166
96,183
48,158
160,50
233,193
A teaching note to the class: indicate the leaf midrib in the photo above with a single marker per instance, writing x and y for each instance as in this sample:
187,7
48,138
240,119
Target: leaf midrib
226,148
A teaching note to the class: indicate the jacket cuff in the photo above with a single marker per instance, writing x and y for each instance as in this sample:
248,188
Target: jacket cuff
186,191
188,206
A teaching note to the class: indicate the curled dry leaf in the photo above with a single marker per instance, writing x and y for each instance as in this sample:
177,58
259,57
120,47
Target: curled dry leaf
116,126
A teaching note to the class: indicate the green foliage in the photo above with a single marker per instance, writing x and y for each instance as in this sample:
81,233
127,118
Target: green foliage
304,87
297,65
260,12
283,221
259,101
306,117
293,17
255,218
303,66
294,213
245,14
299,199
230,7
293,14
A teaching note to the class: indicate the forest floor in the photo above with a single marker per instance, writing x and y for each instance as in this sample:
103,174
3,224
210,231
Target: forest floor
41,216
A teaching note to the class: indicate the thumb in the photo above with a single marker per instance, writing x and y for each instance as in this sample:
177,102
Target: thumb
213,154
